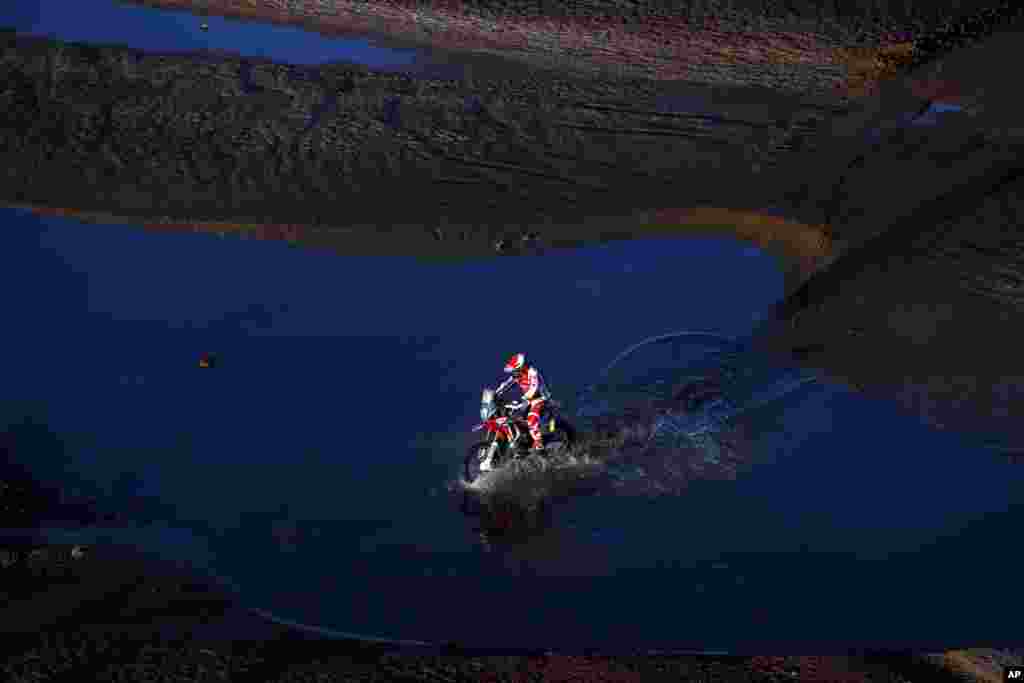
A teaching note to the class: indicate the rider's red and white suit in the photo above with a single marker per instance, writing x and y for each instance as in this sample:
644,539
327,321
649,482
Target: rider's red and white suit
531,383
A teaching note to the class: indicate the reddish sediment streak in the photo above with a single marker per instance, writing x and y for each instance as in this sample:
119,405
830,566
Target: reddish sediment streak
666,49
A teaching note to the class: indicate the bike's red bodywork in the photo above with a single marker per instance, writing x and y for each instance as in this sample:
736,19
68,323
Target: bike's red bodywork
500,427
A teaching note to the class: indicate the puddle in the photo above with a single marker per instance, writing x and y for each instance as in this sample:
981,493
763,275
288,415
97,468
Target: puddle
932,116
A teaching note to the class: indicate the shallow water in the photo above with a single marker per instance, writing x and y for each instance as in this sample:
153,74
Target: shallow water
929,117
310,466
158,30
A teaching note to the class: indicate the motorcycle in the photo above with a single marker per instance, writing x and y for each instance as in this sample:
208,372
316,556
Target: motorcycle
507,434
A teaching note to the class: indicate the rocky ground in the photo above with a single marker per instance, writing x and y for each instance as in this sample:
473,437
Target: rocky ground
517,158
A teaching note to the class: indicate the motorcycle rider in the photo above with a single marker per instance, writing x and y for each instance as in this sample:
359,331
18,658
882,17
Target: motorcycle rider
535,393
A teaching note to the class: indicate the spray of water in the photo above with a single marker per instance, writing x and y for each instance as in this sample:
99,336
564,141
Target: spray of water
653,436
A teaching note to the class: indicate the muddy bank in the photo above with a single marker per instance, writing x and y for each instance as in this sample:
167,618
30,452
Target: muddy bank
132,616
922,305
514,157
191,139
164,625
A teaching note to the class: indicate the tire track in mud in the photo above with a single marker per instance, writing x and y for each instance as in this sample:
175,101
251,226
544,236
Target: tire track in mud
557,169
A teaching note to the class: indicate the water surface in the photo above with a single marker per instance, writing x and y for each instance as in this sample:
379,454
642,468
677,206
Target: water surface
309,468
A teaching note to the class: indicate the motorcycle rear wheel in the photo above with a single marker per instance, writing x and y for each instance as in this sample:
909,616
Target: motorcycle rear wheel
563,433
568,430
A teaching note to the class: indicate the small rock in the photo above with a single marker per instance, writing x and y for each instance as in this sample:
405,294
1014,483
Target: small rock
78,552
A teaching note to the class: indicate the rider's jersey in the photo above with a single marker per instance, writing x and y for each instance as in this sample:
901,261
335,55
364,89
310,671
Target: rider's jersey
531,383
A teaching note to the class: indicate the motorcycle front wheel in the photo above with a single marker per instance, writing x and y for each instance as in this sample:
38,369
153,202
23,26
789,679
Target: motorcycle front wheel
474,456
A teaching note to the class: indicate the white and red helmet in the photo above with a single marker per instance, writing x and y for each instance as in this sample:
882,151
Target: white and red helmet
516,362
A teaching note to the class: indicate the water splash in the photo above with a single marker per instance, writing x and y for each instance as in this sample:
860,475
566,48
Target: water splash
701,395
655,431
534,477
680,422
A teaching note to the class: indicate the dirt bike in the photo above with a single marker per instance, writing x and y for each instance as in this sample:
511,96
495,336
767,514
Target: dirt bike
507,434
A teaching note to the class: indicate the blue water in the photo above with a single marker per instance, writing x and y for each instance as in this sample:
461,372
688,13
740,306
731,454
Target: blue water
932,116
108,22
310,465
316,353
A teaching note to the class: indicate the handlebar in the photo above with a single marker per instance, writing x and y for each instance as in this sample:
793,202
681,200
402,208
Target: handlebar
504,385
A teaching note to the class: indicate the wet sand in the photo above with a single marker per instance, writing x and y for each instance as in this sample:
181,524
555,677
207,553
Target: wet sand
589,38
568,149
